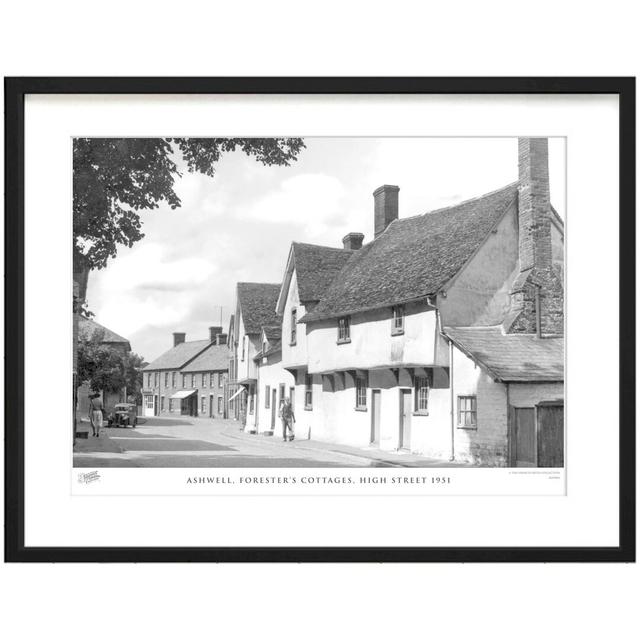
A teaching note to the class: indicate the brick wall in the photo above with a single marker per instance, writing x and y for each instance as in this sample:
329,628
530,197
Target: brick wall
538,287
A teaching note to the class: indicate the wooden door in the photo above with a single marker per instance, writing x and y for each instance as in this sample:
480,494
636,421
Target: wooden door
525,437
404,441
550,435
211,406
274,399
375,416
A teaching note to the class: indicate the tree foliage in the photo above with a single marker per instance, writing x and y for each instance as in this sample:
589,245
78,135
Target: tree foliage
114,179
106,368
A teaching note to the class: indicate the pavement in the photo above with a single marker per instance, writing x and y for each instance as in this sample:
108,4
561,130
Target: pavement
202,442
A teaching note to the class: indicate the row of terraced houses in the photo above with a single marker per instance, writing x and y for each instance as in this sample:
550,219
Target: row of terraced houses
442,336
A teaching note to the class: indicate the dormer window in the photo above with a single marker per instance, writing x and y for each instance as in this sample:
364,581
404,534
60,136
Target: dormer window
294,326
344,330
397,320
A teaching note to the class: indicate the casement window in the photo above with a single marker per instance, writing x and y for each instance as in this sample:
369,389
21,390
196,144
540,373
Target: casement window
361,393
308,392
155,379
148,402
294,326
267,395
220,380
219,405
173,379
397,320
193,380
467,412
344,329
166,379
148,379
264,347
211,379
204,380
252,399
184,380
203,405
161,403
421,395
244,339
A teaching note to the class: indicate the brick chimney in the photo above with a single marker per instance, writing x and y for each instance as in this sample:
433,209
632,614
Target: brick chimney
178,338
537,295
385,208
213,332
221,338
353,240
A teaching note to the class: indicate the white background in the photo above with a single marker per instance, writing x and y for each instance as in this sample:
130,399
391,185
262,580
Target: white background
487,38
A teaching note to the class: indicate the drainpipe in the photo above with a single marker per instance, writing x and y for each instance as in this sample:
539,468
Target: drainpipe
452,414
452,405
538,318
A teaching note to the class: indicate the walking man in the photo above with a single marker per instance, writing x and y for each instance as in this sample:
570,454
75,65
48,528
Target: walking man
288,418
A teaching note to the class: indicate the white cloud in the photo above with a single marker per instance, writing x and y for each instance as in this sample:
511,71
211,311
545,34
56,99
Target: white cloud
311,201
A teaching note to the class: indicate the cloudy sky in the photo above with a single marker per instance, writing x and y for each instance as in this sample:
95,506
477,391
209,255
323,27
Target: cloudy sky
238,225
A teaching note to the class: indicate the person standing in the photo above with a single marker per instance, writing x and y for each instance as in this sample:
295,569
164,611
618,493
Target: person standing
288,418
95,414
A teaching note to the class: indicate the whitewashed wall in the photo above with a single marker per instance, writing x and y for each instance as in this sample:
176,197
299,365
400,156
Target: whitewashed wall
271,374
372,344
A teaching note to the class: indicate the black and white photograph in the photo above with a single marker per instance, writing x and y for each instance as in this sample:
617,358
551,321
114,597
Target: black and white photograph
321,302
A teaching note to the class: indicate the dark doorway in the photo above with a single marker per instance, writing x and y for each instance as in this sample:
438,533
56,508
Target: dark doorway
550,434
524,437
274,398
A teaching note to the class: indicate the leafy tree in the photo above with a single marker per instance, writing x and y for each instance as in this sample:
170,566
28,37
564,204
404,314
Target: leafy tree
107,368
114,179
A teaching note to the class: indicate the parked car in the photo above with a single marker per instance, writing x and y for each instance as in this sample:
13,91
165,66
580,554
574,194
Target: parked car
123,415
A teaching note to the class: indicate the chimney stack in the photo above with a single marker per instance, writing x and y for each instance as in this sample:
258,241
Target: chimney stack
385,210
353,240
537,295
213,332
178,338
221,338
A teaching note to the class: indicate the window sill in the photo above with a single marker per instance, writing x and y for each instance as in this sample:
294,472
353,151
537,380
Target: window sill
420,413
308,408
361,409
475,428
397,332
343,341
293,344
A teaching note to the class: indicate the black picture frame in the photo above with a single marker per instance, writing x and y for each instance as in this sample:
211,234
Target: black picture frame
15,91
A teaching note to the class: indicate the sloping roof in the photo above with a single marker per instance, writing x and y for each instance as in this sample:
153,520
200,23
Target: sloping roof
513,357
257,301
273,332
316,267
87,327
413,257
179,355
215,358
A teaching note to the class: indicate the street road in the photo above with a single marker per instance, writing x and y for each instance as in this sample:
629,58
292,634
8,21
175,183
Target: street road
199,442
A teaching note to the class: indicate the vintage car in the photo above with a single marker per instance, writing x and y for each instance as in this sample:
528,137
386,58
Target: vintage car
123,415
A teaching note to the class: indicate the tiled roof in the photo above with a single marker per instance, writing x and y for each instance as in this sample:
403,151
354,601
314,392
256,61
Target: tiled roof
257,301
87,327
274,348
414,257
316,267
215,358
273,332
180,355
514,357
